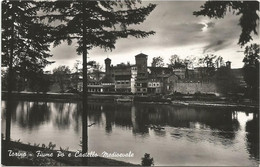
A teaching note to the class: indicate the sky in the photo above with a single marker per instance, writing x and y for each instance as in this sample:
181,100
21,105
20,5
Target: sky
178,31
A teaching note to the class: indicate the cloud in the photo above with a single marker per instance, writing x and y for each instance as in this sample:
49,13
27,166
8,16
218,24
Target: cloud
176,29
210,24
216,46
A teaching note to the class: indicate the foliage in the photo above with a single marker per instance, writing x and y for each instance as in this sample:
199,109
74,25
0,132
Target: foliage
147,160
251,69
95,71
105,24
247,9
157,62
39,82
219,62
4,79
251,54
189,61
61,76
226,81
31,38
176,62
25,45
207,60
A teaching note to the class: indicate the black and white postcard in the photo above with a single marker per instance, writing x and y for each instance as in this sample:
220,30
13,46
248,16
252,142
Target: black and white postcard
129,82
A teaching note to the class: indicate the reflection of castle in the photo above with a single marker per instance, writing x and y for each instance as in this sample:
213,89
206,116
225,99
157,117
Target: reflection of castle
141,79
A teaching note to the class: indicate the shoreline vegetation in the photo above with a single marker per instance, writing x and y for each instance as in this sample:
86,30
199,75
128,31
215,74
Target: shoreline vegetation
21,154
180,100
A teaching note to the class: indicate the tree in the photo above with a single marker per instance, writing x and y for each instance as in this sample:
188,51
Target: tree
176,62
62,76
95,71
4,84
25,45
77,73
226,81
189,61
39,82
207,67
147,160
157,62
219,62
251,69
247,9
94,24
207,60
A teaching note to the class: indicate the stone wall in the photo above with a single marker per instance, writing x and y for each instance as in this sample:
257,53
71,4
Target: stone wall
191,88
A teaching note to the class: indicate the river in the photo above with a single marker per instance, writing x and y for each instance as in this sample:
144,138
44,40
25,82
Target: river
192,136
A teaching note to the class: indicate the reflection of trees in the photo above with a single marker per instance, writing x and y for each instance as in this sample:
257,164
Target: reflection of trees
252,136
95,111
139,121
32,114
62,118
14,105
77,117
110,119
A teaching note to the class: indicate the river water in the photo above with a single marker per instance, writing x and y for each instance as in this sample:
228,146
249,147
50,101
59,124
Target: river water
192,136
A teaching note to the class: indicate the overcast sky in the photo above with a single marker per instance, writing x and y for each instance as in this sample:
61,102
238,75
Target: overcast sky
178,31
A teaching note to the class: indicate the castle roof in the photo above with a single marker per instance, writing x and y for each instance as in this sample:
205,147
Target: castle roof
107,59
141,55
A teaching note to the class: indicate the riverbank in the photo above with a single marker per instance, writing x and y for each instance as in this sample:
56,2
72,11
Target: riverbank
27,155
201,101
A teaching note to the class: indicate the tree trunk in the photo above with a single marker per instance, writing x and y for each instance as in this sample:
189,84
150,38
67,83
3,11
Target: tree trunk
10,84
84,98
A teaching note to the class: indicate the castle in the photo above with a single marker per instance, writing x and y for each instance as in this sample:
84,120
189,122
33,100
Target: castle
141,79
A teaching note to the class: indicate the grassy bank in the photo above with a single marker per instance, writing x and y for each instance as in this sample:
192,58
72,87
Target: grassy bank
32,160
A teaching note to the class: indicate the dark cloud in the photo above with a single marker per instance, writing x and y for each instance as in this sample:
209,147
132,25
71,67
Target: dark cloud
222,33
216,46
210,24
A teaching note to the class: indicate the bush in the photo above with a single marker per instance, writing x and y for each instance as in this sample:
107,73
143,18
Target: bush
147,160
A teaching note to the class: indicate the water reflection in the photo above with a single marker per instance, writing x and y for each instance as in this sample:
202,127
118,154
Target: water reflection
219,127
252,127
31,114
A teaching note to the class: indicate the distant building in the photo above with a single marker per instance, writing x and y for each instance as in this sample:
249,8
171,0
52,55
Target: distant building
140,79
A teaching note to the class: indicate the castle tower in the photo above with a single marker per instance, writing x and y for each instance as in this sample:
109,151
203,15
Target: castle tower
108,63
228,64
141,64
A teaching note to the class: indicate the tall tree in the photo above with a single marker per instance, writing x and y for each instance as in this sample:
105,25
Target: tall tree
247,9
25,46
95,24
251,69
157,62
